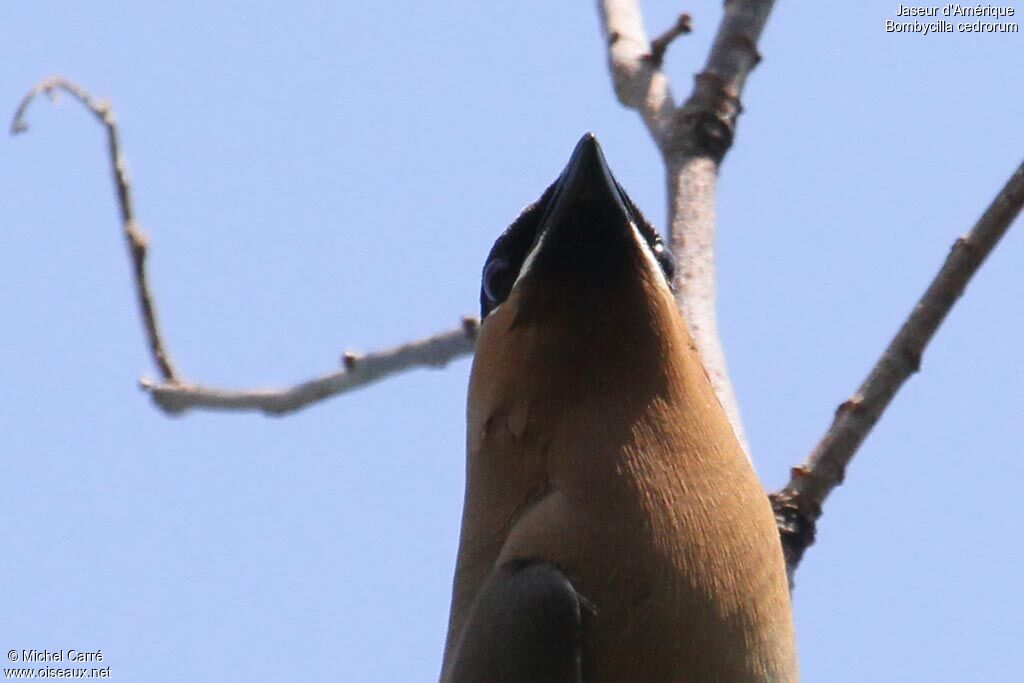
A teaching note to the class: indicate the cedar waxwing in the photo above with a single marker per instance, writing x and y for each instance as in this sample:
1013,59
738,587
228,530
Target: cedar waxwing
613,529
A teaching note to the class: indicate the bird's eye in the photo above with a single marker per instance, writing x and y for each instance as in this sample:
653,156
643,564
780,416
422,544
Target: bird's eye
667,260
496,279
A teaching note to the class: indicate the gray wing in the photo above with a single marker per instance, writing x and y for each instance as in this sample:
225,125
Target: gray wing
524,626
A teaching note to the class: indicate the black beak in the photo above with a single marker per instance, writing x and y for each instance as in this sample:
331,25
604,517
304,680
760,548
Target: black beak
583,234
587,232
587,186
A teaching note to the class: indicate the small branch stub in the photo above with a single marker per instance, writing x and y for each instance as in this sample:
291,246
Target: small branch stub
706,123
683,26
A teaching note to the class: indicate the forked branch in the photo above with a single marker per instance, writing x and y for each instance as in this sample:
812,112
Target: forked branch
693,139
174,394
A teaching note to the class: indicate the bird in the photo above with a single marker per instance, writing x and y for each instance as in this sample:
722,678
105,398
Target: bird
613,527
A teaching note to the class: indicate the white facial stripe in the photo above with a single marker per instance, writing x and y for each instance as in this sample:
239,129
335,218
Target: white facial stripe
530,258
652,260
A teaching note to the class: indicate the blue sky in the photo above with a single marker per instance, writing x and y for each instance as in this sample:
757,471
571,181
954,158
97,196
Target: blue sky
324,176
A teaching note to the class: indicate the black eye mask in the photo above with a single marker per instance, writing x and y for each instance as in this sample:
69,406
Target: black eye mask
506,258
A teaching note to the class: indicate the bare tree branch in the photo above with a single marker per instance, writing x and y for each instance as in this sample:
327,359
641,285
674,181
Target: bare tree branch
359,371
639,82
174,394
703,131
135,237
693,139
798,505
706,123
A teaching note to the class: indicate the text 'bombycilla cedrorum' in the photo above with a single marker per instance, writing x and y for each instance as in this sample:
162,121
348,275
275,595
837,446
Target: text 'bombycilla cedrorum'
613,529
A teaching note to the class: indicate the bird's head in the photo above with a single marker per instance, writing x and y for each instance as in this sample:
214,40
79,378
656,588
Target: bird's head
582,253
578,310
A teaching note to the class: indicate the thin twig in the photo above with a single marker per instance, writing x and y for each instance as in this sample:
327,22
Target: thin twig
174,394
358,371
135,237
798,505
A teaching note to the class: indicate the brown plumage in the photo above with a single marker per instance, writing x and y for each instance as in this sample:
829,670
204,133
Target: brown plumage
598,452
